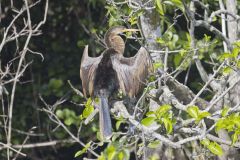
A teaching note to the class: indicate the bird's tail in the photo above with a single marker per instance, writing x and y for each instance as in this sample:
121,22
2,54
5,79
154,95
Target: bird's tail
105,120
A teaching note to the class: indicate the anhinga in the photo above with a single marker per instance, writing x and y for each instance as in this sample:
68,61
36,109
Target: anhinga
111,71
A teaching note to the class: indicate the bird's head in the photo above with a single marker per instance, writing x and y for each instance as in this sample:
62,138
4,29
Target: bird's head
113,40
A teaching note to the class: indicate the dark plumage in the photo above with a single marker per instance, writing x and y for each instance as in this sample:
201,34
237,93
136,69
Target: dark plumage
104,75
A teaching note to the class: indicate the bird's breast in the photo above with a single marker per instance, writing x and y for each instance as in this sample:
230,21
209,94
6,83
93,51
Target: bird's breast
106,77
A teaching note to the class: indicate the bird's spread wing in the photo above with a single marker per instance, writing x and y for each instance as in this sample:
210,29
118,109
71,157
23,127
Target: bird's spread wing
87,71
132,72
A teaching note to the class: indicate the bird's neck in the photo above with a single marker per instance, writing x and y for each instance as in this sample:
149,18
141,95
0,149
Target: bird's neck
115,42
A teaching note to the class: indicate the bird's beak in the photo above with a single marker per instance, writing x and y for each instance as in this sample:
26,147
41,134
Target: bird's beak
130,30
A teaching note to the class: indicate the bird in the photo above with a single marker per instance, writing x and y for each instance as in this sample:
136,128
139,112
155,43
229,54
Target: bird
111,72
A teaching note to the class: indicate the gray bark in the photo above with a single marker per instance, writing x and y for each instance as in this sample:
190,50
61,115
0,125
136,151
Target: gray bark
234,94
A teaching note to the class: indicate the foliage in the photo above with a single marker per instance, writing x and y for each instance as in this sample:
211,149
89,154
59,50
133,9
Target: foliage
162,115
195,113
213,147
231,124
82,151
72,24
114,151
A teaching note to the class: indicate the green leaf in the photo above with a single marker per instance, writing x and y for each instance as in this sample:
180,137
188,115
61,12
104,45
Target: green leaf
89,108
87,111
178,4
227,70
215,148
160,41
111,151
55,83
155,156
168,3
225,56
148,121
237,43
157,65
227,123
175,38
101,157
219,124
76,98
100,137
193,111
119,123
96,100
89,102
207,38
202,115
224,111
69,116
134,18
236,122
69,120
68,113
123,139
159,7
59,114
162,110
183,52
205,142
235,137
83,150
168,125
235,52
177,60
152,78
150,113
214,19
238,64
169,35
154,144
79,153
114,137
121,155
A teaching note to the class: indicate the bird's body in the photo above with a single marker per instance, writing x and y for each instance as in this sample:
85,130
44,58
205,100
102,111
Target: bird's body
104,75
105,84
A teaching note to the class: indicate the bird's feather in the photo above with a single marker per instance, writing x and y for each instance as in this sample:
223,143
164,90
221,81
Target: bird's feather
132,72
88,71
